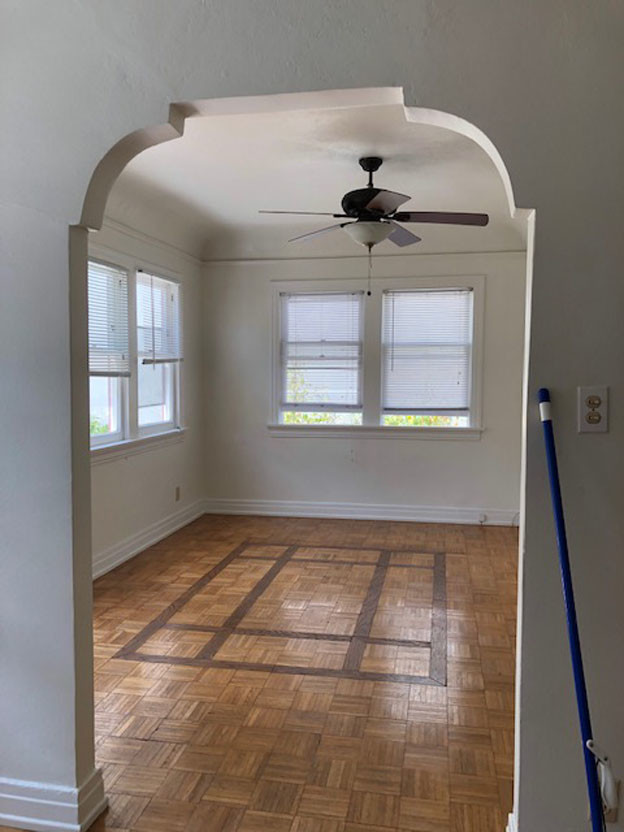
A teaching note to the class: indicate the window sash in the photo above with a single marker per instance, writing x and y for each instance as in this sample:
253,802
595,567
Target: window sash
311,407
158,320
169,381
112,437
427,411
446,321
109,351
323,359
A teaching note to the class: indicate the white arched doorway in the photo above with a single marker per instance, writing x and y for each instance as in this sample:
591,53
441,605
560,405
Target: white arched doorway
118,157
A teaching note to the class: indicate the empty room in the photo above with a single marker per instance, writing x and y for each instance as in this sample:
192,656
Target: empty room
316,423
310,357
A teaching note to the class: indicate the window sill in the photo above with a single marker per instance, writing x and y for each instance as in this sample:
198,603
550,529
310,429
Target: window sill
131,447
374,432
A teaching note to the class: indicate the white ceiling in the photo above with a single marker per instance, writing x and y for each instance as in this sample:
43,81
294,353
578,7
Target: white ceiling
203,191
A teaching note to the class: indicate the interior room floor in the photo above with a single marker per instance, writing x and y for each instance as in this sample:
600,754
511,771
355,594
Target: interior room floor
304,675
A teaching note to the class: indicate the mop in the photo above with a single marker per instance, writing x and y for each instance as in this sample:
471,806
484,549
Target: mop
601,784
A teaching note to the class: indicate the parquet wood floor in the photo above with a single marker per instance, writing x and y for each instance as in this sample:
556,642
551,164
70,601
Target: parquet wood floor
309,676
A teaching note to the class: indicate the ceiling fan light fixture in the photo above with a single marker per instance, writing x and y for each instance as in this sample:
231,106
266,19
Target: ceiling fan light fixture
372,215
368,233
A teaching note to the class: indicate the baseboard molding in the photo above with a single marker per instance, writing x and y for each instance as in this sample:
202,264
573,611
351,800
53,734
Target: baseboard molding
365,511
109,558
44,807
512,823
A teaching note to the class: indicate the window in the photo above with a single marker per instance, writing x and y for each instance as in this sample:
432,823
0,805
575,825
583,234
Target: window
158,352
427,357
134,370
105,398
109,351
321,358
405,356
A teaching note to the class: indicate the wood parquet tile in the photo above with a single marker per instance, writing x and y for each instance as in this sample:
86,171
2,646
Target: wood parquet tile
264,674
306,610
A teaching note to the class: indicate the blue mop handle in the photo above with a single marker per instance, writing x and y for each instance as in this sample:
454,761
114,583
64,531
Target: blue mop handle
595,799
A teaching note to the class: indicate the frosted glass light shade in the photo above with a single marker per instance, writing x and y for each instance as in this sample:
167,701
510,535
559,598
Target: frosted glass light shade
368,233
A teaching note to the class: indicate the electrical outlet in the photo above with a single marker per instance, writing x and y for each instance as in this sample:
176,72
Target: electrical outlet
177,493
592,409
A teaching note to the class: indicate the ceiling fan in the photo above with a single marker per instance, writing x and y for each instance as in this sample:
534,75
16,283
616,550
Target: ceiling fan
373,216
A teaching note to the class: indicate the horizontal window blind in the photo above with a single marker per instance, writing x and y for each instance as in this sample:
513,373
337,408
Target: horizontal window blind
427,350
108,320
158,319
321,351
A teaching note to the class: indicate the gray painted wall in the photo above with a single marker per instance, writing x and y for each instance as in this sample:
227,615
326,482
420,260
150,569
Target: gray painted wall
541,80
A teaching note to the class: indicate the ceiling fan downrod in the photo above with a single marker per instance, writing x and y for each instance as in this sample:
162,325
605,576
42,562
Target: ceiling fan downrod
370,164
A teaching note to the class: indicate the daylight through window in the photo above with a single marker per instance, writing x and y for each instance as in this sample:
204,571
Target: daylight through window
427,357
133,364
419,373
321,358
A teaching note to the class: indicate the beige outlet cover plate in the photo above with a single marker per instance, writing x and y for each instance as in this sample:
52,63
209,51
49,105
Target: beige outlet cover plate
593,409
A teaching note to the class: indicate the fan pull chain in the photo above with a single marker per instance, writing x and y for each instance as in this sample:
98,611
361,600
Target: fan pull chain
370,269
392,339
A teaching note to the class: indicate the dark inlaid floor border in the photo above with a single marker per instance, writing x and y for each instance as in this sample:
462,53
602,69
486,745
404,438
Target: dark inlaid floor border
235,618
328,561
418,550
355,653
351,668
437,662
258,631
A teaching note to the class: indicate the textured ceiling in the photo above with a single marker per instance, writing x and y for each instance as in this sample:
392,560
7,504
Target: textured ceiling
203,191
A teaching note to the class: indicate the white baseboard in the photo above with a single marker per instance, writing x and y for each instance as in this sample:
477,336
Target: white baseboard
44,807
512,824
110,558
364,511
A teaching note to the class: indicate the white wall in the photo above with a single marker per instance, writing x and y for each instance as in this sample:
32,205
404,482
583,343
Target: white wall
421,478
133,496
541,80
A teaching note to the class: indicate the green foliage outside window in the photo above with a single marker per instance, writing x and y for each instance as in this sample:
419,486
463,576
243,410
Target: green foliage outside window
96,427
297,389
413,420
295,417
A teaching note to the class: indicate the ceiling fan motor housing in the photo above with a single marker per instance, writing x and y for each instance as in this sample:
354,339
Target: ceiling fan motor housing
354,204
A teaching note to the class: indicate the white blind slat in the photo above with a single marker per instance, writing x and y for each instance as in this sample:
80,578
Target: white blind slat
158,320
108,320
321,351
427,350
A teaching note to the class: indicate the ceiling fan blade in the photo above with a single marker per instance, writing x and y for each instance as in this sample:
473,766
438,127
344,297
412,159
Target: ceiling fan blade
305,213
442,217
385,202
401,236
318,232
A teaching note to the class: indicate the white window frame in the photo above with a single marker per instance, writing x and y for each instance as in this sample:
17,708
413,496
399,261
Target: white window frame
307,287
162,427
281,376
106,439
174,423
131,438
99,440
372,366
